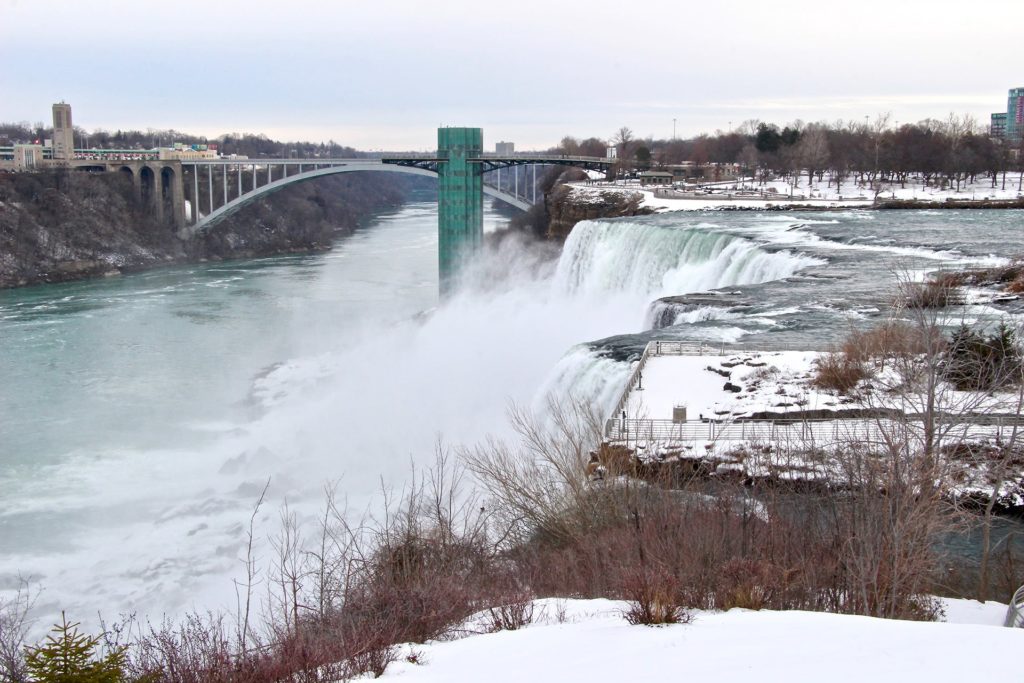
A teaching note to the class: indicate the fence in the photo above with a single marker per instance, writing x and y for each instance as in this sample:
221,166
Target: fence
821,432
684,348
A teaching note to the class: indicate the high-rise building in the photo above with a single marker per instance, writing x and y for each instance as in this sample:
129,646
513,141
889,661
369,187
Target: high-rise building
63,133
1015,113
997,128
505,148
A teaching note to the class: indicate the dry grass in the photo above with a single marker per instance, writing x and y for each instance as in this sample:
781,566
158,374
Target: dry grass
938,292
891,339
838,372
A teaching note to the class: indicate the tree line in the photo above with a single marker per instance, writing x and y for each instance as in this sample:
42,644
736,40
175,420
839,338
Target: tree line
243,144
942,152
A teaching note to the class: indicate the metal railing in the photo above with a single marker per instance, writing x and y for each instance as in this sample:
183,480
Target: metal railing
1015,612
817,432
684,348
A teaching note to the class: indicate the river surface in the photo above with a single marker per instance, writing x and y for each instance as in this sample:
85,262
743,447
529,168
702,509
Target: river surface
141,416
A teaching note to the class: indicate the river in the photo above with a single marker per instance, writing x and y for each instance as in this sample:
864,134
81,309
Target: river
141,416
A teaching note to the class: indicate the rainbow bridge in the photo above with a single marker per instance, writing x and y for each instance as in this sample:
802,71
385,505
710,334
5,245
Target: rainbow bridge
459,164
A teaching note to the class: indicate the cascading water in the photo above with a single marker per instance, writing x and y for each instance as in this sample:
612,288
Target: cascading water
656,260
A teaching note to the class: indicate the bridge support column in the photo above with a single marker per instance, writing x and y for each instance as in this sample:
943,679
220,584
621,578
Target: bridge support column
152,190
137,184
195,194
460,199
178,197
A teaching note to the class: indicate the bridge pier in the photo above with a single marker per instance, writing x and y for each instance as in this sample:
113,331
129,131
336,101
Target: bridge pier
176,192
460,200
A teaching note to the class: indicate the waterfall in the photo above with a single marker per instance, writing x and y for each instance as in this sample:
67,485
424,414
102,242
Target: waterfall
659,260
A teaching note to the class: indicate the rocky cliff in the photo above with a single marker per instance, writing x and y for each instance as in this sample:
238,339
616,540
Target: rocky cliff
58,226
566,207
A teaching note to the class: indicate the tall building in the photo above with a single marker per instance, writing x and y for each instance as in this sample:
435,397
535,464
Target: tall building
63,133
1015,114
997,128
505,148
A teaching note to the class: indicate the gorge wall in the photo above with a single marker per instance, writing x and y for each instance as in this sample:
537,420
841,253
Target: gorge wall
57,226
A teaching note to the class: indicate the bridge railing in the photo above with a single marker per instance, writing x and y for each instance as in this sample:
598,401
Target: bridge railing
540,158
419,156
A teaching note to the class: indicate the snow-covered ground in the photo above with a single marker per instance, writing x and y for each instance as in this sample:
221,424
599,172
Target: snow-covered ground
823,194
718,391
588,640
776,382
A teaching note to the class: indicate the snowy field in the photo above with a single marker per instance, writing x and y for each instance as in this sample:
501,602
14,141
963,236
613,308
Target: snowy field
588,640
823,194
777,382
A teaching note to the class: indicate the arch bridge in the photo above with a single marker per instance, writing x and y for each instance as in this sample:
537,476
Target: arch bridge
464,172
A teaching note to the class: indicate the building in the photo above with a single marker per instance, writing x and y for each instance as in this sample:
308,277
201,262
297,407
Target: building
1015,113
505,148
63,133
28,157
997,129
656,178
186,153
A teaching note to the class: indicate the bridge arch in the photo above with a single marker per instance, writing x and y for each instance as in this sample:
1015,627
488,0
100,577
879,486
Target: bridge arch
147,184
212,219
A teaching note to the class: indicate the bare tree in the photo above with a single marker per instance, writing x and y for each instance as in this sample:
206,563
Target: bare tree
813,152
14,626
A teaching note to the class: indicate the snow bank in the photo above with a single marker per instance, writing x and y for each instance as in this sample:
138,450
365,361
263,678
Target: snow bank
595,644
824,194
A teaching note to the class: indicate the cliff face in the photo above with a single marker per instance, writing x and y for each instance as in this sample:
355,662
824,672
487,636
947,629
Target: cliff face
566,208
63,226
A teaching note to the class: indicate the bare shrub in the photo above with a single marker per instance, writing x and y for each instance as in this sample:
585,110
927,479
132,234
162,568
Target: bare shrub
511,615
938,292
838,372
1016,286
337,606
195,650
14,627
748,584
887,523
882,343
653,597
868,548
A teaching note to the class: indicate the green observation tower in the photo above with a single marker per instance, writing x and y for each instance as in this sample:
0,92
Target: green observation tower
460,200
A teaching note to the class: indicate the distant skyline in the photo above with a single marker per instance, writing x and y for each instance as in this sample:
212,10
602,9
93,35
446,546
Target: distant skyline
385,75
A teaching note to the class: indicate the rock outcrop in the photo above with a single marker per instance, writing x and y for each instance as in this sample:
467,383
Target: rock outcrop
566,207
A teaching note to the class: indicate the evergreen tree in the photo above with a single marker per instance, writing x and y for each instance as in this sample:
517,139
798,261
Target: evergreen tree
68,656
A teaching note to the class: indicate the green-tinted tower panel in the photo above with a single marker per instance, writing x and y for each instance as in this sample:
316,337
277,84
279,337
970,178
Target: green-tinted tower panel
460,200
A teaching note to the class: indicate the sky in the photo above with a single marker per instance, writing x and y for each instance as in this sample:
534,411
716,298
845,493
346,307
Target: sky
384,74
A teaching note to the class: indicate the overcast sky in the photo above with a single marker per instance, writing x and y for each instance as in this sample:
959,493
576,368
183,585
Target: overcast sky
383,74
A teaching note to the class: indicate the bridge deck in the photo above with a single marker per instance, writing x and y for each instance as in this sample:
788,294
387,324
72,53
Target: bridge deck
412,158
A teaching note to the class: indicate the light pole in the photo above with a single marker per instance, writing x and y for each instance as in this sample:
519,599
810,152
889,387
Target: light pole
673,129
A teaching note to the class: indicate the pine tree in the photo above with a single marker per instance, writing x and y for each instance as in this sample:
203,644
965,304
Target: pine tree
68,656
